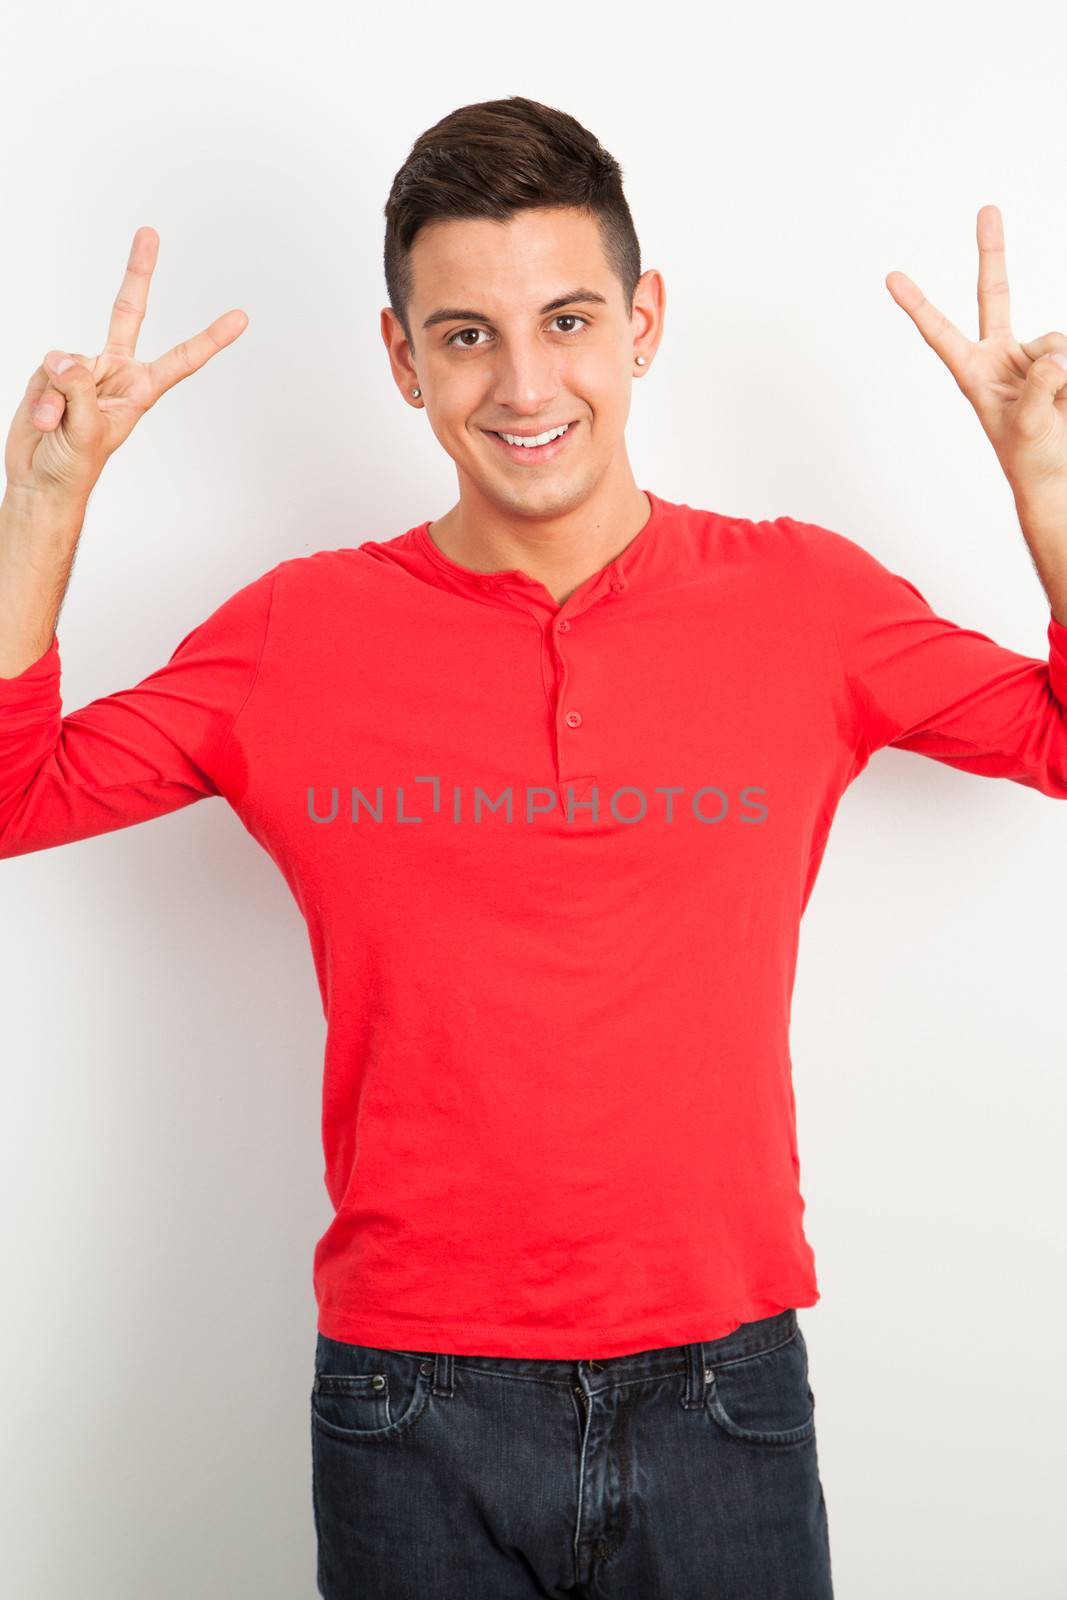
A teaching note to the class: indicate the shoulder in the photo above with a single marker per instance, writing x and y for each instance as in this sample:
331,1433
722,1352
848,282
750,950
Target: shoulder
714,543
348,567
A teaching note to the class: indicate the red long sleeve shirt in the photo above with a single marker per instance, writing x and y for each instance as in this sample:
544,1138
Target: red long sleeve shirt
553,861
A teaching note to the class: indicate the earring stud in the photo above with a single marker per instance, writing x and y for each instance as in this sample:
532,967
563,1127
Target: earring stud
640,361
416,393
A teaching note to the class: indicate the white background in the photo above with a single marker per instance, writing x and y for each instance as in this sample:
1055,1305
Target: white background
161,1029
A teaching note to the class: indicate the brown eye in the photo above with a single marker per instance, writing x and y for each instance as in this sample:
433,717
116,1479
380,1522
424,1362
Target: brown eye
455,339
454,336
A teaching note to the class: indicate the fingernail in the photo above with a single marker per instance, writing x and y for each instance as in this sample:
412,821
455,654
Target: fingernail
1060,360
58,364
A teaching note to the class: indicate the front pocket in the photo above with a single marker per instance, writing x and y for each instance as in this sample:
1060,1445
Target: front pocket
354,1402
763,1399
362,1392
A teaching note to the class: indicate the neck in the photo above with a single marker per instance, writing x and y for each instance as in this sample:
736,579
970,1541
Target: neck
560,550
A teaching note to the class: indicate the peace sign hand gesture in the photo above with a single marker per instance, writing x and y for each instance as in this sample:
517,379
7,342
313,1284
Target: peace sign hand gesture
1018,390
70,422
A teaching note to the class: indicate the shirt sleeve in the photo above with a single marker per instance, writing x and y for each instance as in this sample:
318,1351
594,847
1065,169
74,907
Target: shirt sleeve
133,755
920,682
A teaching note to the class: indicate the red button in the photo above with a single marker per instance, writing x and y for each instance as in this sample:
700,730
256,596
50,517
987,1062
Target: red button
573,719
486,584
618,584
564,626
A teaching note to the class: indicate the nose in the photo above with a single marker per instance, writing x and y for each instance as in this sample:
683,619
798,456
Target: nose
526,381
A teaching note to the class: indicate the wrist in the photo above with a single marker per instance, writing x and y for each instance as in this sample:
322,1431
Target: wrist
43,512
35,494
1038,509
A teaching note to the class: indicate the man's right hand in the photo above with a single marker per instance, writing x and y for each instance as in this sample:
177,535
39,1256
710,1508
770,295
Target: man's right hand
69,423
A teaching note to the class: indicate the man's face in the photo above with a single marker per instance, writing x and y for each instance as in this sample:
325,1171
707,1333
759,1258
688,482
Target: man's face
500,362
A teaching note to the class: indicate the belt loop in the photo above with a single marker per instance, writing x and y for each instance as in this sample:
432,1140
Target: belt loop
695,1382
443,1375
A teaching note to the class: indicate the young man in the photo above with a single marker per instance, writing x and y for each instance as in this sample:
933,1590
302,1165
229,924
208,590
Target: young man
550,778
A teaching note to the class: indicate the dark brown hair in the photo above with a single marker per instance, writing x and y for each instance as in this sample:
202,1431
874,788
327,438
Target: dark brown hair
493,159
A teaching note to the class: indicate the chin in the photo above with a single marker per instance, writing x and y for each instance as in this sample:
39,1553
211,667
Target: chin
553,497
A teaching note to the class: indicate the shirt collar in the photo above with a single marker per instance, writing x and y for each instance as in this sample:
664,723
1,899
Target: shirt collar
508,586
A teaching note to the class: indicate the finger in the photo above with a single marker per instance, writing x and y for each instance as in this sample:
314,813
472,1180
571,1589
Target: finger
36,388
191,354
1045,345
77,388
132,300
941,335
44,402
48,414
1045,382
994,299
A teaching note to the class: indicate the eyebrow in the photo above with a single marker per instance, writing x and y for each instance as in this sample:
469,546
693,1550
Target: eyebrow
575,297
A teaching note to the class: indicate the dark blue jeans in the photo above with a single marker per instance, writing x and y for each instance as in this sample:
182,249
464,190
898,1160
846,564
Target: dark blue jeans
670,1474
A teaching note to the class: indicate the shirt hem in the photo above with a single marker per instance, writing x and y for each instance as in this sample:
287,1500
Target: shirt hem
496,1339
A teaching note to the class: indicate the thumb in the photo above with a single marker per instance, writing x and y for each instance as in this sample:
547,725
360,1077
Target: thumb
71,391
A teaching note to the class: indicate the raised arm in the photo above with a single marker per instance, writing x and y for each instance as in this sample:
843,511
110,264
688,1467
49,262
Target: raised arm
152,748
135,754
920,682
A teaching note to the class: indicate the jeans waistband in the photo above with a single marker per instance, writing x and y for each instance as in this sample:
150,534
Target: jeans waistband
594,1374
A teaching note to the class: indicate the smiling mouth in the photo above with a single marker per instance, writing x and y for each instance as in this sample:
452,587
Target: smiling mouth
534,452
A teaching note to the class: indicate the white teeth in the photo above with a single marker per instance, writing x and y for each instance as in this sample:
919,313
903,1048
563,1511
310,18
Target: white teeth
541,438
